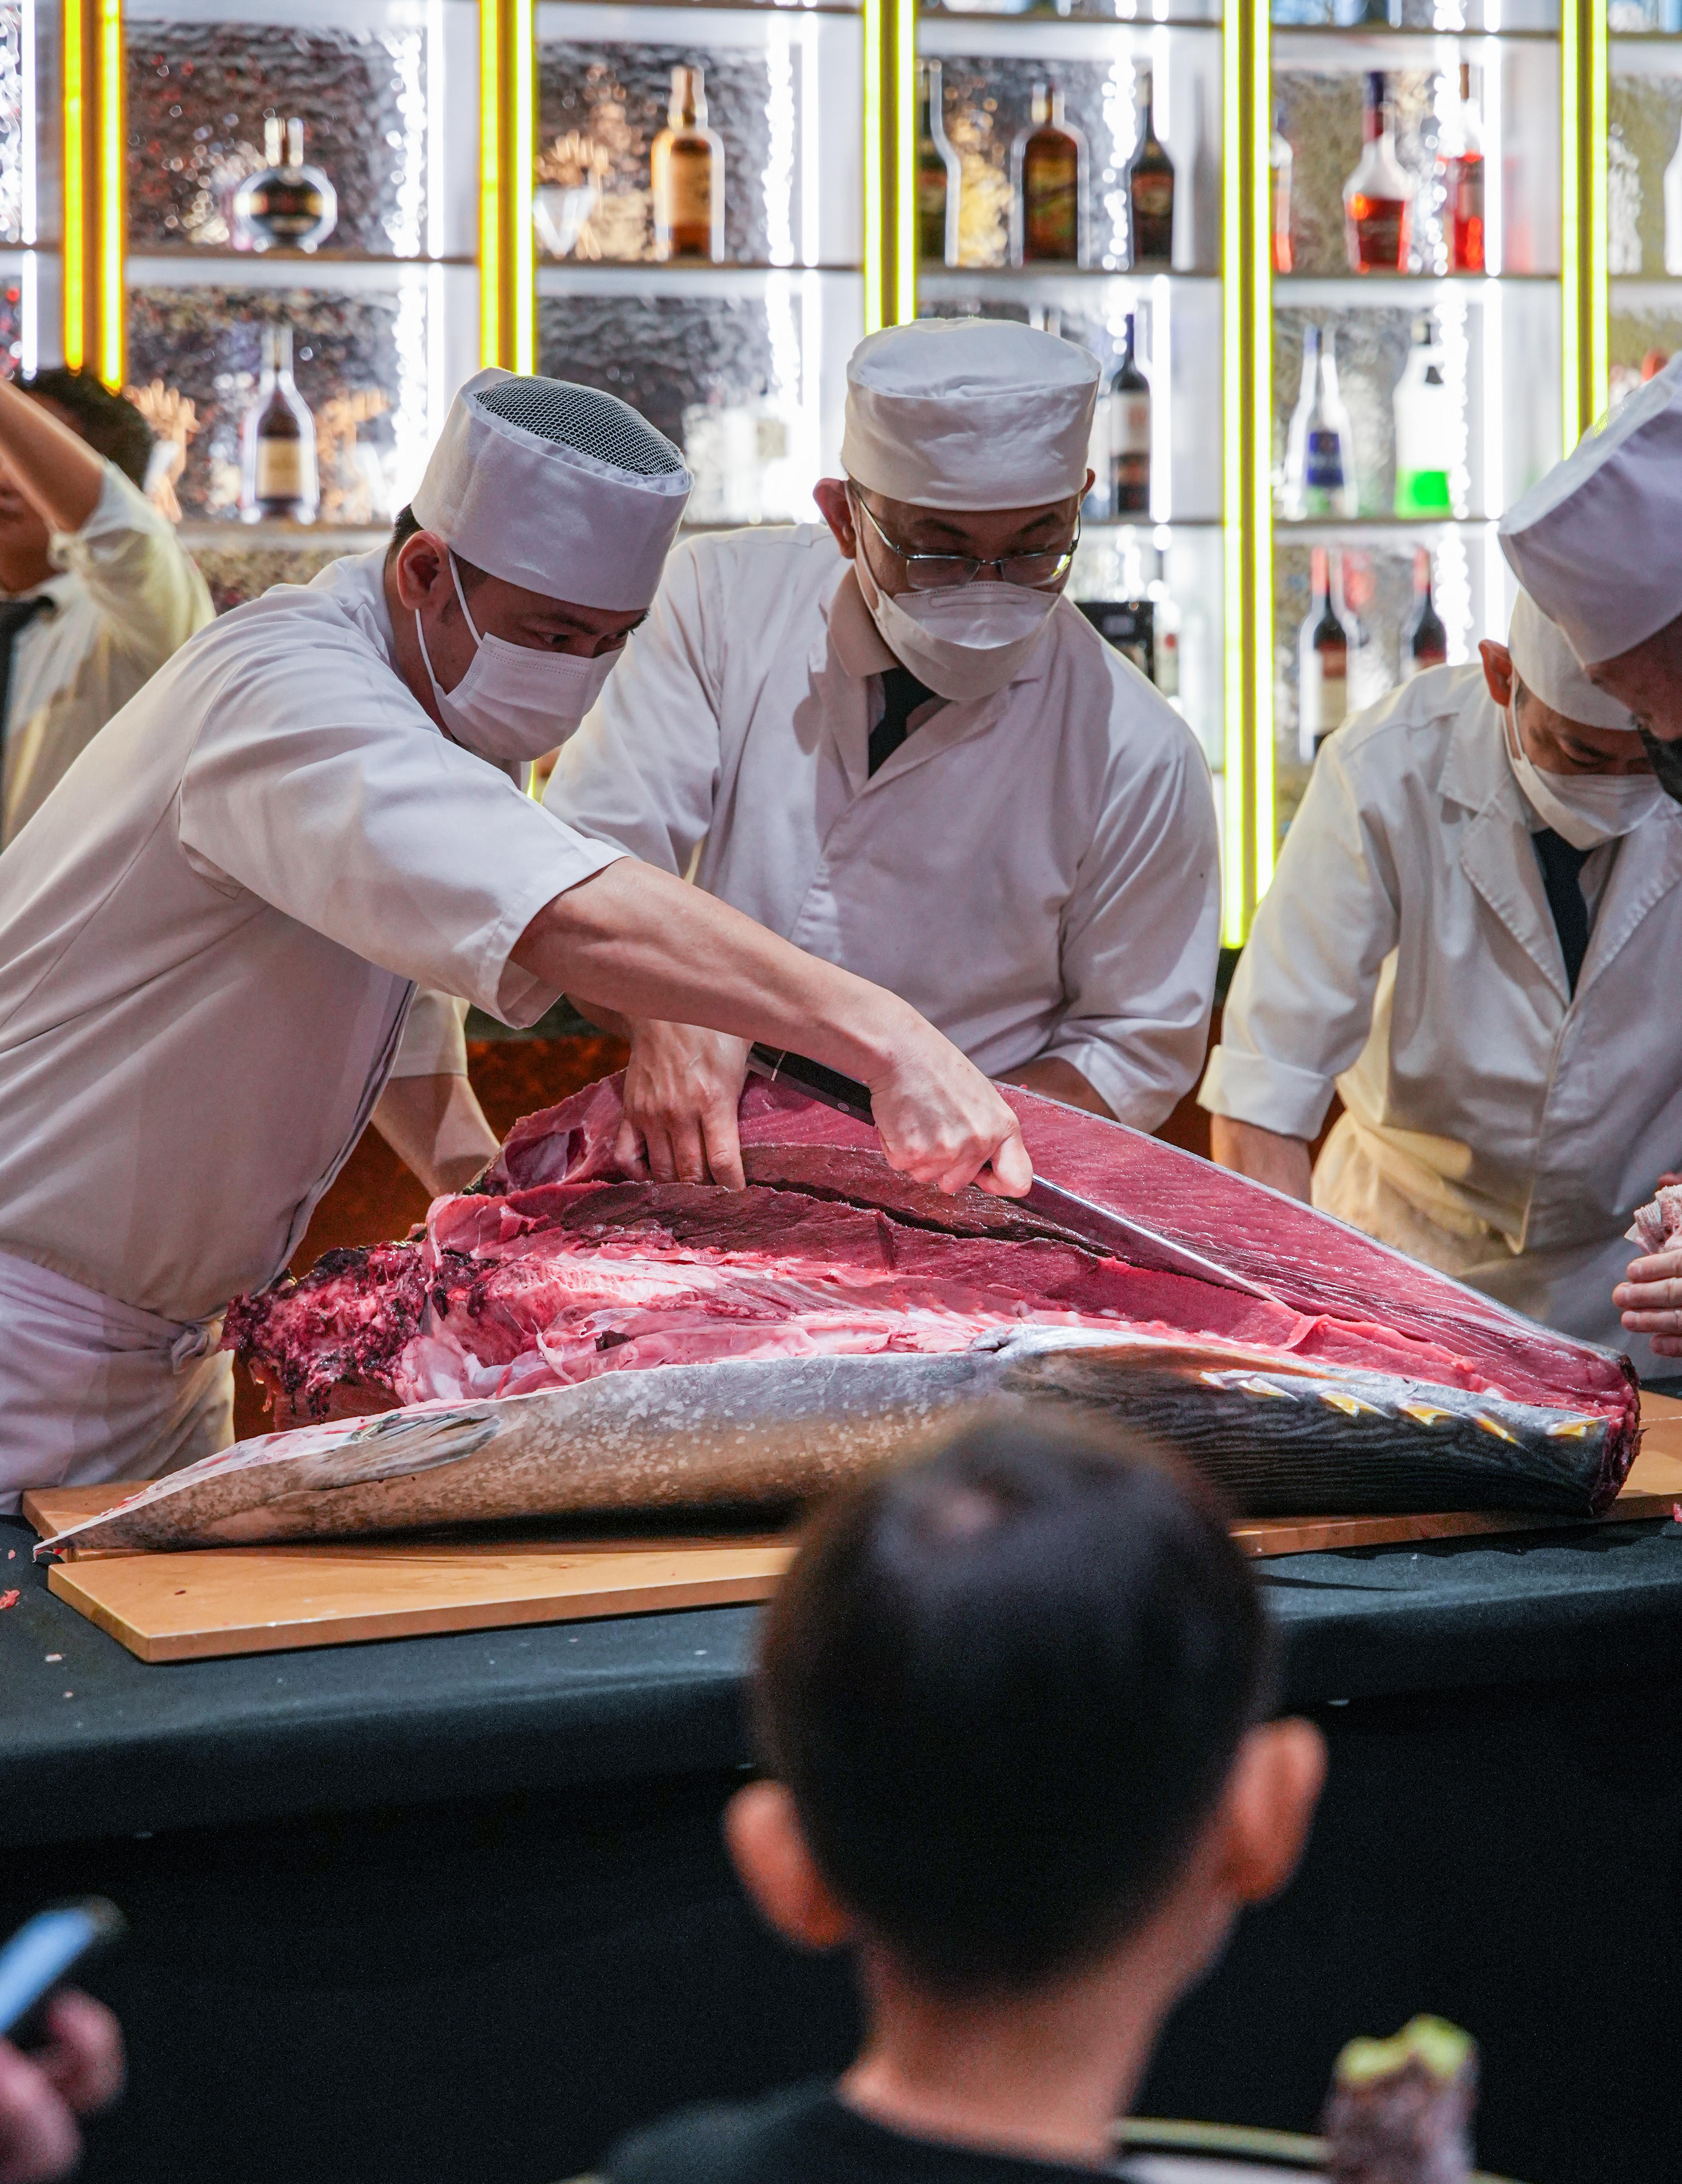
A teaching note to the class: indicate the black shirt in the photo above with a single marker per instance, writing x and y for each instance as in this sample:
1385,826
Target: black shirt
807,2136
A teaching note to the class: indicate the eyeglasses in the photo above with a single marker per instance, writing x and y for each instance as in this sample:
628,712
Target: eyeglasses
933,572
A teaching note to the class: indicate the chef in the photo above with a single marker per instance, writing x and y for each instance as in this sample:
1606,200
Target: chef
1461,937
97,591
211,930
1595,541
889,738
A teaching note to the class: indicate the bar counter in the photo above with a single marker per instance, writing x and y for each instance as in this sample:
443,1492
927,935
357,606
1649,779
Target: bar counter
456,1905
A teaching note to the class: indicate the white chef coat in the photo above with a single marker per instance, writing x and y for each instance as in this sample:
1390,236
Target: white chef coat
126,597
210,935
1496,1126
1037,871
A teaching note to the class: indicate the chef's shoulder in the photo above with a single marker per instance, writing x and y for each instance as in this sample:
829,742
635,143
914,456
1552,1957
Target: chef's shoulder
1401,745
1105,705
741,580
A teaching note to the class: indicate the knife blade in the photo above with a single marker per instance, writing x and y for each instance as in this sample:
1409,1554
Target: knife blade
1118,1233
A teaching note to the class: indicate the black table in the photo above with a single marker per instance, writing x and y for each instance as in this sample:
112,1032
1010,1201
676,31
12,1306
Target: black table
457,1906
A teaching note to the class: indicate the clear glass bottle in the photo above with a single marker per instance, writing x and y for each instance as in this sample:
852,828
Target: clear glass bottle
1049,179
685,169
278,481
940,175
1424,426
1319,448
1151,188
1280,161
287,205
1323,651
1129,405
1462,168
1378,198
1424,641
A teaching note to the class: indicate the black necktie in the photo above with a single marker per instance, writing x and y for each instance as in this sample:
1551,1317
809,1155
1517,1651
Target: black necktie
901,695
15,616
1563,878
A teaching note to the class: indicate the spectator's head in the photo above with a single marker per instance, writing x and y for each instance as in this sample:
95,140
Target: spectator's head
1013,1703
109,423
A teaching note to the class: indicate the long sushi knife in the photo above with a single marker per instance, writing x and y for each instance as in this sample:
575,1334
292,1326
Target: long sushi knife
1130,1239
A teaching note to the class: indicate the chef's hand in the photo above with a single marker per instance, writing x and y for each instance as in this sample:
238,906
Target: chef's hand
942,1122
1649,1298
681,1088
41,2094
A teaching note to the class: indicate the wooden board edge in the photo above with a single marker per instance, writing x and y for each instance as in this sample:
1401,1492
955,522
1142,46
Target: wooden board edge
1259,1536
665,1595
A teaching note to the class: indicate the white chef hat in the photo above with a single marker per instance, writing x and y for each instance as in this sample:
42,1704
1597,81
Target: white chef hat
969,413
1546,665
558,488
1594,542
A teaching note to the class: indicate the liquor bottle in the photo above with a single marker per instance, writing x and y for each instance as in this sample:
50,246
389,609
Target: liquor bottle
1151,188
277,443
1047,174
1319,449
287,205
1129,406
1462,178
1378,198
1280,161
1322,660
1423,426
1424,641
686,164
939,176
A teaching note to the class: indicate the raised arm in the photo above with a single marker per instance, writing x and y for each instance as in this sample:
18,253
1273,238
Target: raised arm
58,474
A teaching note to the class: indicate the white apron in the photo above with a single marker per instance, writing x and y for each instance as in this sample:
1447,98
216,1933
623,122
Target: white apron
91,1389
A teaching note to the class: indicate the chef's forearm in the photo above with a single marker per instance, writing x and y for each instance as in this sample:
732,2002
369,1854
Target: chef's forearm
437,1129
1264,1155
59,474
1059,1079
642,942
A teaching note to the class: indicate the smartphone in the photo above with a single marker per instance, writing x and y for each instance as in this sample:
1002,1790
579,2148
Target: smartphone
43,1951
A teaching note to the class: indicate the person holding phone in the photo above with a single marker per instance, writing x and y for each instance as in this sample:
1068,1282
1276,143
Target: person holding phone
76,2073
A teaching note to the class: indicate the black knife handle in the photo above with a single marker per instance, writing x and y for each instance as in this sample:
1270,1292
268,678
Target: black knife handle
829,1086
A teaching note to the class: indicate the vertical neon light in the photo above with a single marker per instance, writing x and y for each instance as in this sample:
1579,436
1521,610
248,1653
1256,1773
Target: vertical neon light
112,220
1234,470
904,160
1596,287
519,158
75,187
1259,254
876,176
490,183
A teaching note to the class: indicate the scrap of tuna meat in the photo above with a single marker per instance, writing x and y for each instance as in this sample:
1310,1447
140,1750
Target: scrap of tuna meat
1658,1226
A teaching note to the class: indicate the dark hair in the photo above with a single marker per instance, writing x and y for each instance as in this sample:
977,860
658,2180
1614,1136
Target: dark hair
109,423
404,528
1004,1686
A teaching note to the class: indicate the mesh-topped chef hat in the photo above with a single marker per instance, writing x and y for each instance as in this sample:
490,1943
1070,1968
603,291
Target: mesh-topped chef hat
555,486
1546,665
969,413
1594,542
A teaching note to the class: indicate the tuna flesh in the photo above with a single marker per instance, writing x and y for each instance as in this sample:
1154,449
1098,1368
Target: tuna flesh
563,1338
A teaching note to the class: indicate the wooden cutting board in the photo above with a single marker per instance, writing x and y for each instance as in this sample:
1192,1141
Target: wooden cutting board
216,1600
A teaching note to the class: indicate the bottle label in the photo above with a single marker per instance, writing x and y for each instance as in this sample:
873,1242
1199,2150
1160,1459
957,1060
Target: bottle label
280,470
1051,212
1323,462
1130,423
1379,229
1131,474
689,191
931,204
1153,196
1323,699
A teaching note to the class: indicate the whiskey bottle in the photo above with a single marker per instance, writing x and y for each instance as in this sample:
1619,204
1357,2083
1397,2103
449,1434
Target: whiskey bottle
1462,180
1321,660
1129,405
1378,198
1048,172
278,479
1424,641
1150,189
1319,447
1280,161
287,205
687,169
939,176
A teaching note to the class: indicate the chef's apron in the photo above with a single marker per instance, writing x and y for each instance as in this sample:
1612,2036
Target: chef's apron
91,1389
1368,1183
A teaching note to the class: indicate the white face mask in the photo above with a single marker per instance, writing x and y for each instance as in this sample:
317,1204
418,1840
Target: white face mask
963,640
1587,809
514,703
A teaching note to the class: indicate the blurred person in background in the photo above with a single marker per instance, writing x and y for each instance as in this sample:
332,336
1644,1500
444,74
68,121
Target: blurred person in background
96,592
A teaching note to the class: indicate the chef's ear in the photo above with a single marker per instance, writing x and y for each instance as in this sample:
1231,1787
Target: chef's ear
1497,670
773,1862
1268,1807
837,511
419,567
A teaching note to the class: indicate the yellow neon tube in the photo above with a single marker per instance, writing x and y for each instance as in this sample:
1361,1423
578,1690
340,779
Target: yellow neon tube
1259,250
111,221
1597,290
906,161
1233,475
874,208
76,188
521,159
490,184
1572,419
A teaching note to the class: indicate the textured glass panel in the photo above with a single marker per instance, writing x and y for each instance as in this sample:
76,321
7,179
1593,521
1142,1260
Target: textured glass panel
1645,116
236,571
197,93
1078,11
1643,338
600,108
1371,349
1323,125
353,357
11,121
11,321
